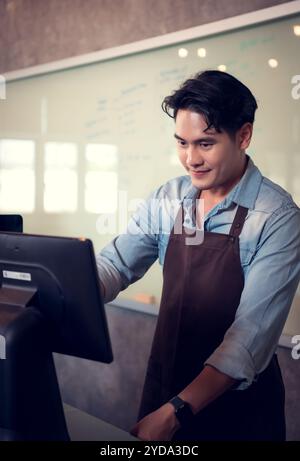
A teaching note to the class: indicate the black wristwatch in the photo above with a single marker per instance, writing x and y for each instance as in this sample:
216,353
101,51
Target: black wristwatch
183,411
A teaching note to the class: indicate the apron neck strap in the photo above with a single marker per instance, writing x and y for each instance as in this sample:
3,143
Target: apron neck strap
238,222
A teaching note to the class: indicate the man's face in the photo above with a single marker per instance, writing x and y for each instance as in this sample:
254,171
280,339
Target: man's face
212,159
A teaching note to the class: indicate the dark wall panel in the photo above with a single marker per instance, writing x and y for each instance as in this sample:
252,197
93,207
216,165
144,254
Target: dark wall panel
38,31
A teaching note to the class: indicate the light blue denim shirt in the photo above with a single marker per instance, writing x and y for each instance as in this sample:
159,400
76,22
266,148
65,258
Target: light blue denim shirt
269,254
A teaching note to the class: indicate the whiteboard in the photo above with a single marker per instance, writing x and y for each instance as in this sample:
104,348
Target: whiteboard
116,103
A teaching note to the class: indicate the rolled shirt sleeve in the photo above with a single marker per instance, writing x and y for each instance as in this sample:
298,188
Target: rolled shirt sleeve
270,286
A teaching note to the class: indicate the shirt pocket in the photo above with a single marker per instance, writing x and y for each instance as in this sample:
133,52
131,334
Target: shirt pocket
162,247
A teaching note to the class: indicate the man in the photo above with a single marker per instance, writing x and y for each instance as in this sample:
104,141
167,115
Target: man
212,372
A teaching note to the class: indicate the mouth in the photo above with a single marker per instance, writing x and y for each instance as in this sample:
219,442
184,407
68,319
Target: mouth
199,173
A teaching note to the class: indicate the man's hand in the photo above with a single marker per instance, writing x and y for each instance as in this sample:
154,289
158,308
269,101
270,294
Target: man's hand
160,425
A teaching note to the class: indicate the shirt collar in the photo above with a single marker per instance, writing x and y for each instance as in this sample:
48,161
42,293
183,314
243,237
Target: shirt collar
244,193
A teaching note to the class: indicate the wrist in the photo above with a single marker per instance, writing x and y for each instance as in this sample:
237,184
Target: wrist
173,421
182,411
190,402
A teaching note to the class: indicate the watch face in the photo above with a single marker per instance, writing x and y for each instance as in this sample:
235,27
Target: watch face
180,407
177,402
184,414
183,411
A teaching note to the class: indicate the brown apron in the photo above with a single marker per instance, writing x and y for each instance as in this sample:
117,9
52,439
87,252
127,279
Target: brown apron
201,293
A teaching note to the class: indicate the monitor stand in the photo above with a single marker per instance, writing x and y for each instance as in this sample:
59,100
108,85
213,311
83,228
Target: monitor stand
30,401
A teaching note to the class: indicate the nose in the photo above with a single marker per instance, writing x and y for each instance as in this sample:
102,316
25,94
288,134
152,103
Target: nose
193,157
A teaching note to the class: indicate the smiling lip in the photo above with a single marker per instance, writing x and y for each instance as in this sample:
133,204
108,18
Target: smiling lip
199,173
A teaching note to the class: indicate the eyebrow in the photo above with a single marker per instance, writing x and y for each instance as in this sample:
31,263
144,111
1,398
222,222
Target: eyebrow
204,139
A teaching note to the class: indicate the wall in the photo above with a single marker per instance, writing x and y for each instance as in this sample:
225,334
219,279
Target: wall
34,32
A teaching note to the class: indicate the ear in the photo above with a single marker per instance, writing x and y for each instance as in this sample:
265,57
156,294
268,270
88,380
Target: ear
244,135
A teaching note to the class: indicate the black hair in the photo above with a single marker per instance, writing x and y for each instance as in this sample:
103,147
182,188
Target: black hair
225,102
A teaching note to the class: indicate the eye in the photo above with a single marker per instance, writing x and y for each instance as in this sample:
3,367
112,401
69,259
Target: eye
181,143
206,145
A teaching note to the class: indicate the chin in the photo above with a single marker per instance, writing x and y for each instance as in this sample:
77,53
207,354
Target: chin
201,184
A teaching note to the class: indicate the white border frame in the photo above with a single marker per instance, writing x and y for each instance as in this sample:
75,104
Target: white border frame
235,22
